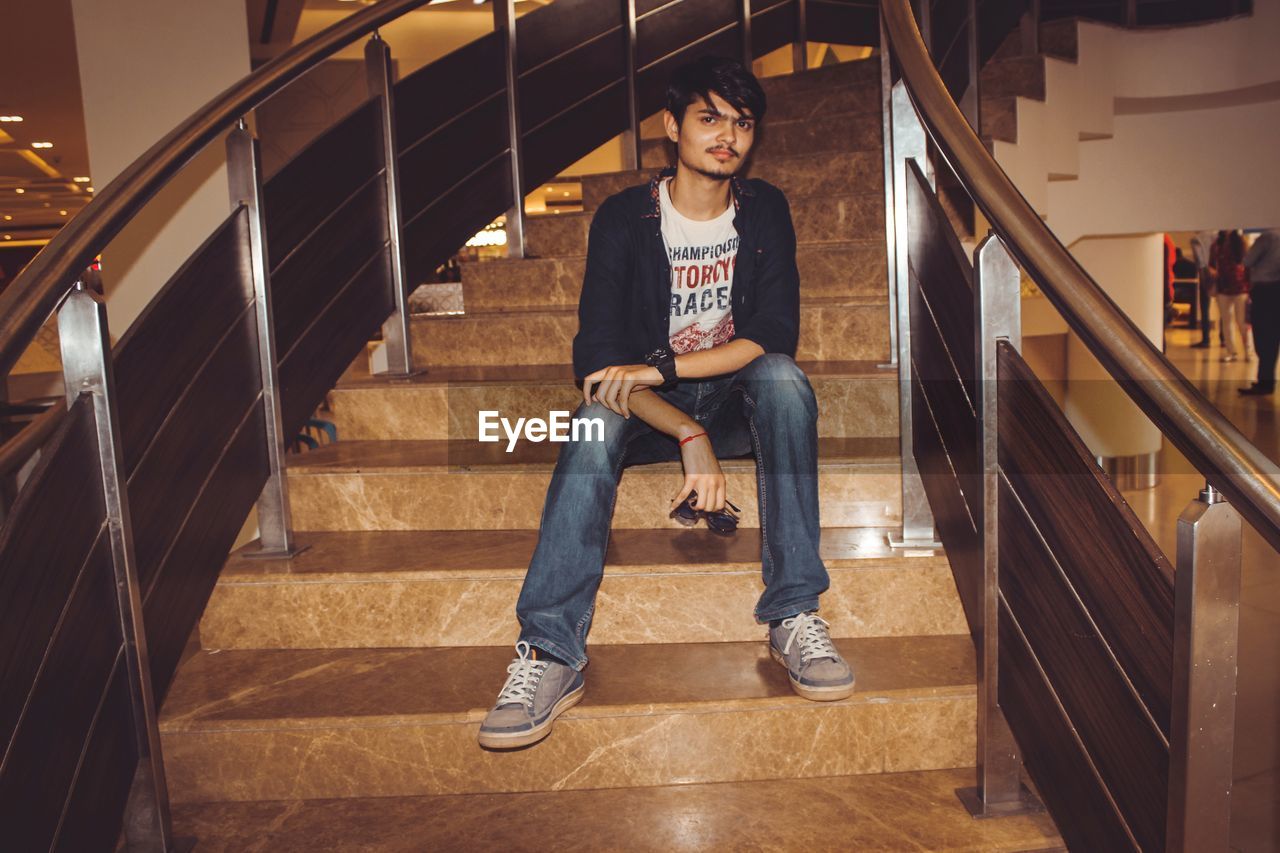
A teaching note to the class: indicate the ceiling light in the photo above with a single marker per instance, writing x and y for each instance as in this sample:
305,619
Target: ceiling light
10,118
42,145
19,190
88,189
8,236
81,180
8,218
566,192
62,213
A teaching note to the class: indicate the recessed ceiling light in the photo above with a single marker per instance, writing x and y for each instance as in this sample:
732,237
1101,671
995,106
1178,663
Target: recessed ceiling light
566,192
8,236
10,118
81,180
8,218
42,145
19,190
88,189
62,213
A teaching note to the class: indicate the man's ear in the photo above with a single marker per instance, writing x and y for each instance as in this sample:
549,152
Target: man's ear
671,125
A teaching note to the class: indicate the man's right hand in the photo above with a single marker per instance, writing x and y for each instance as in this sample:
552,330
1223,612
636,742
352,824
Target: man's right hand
702,474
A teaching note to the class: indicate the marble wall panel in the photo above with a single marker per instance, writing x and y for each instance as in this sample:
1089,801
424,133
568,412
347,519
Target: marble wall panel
354,611
379,757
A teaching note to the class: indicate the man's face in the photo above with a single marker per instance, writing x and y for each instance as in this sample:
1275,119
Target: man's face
713,139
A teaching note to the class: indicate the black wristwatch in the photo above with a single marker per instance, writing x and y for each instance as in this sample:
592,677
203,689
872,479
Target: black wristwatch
663,359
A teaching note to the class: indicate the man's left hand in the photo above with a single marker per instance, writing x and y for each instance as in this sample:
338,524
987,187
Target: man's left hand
616,384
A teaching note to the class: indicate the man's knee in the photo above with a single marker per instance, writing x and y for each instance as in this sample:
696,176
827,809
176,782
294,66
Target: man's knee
776,381
597,436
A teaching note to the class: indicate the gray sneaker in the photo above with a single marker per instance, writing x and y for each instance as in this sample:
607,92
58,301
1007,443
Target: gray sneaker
536,692
804,647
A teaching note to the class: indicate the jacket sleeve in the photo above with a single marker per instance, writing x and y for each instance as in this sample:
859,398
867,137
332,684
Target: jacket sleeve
601,338
775,325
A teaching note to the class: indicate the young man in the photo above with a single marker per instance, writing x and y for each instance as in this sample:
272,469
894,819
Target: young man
688,320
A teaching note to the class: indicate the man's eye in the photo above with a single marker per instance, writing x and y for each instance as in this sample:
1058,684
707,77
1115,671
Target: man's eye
745,125
706,119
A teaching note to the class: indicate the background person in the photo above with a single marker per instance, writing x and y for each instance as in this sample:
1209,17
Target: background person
1263,264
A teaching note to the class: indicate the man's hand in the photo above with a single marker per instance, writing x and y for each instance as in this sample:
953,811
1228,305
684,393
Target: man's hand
701,474
616,384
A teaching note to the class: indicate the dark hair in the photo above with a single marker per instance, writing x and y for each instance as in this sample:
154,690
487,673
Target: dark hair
1232,242
726,77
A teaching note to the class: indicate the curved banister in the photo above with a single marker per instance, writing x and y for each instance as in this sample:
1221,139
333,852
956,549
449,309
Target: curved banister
35,293
1228,460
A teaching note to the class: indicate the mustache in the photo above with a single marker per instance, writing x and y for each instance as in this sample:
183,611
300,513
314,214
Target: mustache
729,150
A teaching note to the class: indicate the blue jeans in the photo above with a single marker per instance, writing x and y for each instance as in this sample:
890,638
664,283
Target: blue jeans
766,408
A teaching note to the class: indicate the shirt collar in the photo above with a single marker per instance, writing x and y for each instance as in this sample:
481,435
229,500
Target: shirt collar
739,189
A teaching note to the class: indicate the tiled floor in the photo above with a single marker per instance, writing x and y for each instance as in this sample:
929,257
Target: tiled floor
1256,808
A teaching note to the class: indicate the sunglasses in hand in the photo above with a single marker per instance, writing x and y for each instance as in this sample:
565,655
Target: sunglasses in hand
722,521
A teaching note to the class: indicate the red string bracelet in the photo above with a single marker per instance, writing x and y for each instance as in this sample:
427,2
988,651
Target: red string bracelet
685,441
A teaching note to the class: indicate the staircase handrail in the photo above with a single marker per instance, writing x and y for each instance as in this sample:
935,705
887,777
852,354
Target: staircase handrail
32,297
1229,461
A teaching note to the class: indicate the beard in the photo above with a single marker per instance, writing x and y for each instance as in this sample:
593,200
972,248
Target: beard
720,172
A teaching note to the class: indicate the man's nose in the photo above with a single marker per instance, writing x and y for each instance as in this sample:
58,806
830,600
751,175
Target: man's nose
729,133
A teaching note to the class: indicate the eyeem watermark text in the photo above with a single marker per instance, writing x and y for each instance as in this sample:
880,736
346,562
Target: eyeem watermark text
559,426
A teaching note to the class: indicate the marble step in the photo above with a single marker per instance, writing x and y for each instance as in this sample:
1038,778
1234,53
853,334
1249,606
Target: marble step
855,399
848,330
818,219
889,811
865,72
459,588
1021,76
848,270
276,725
822,133
465,485
837,173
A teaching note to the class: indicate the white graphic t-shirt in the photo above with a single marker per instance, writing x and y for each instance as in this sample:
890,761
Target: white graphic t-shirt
703,256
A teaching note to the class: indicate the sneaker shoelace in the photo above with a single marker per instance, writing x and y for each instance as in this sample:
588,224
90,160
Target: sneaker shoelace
809,631
523,676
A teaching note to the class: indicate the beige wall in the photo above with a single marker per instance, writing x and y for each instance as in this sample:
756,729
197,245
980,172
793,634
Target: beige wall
1131,271
145,65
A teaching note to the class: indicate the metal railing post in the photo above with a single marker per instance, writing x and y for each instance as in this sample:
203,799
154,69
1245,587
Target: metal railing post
908,143
997,317
631,154
744,25
800,47
504,18
1131,13
1205,633
87,369
397,337
886,113
244,175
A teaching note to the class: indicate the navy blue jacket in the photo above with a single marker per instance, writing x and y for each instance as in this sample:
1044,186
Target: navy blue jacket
623,313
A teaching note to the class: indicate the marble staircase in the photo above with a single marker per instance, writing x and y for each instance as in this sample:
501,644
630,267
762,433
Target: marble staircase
338,693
